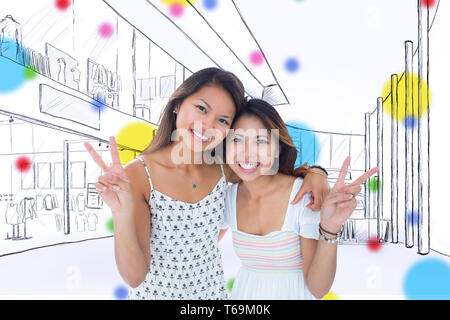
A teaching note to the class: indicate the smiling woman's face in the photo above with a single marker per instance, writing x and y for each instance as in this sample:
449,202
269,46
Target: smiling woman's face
204,117
251,148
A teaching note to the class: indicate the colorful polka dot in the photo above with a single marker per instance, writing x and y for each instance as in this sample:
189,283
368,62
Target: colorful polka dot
427,279
110,225
256,58
12,74
62,4
176,10
292,65
413,98
106,30
374,184
331,296
306,142
430,3
209,4
29,74
230,284
121,292
373,244
23,164
137,136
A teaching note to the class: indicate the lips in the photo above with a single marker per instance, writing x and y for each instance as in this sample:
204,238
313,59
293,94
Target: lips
199,137
248,167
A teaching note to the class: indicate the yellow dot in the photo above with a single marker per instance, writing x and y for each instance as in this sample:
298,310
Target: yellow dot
331,296
184,3
136,136
413,97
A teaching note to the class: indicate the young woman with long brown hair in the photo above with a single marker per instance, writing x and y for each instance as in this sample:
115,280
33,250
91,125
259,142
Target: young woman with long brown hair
168,213
275,240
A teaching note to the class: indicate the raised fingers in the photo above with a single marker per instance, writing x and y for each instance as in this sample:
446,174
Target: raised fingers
365,176
98,160
115,158
343,173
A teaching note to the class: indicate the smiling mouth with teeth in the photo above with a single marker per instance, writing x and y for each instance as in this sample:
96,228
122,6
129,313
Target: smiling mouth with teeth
200,137
248,166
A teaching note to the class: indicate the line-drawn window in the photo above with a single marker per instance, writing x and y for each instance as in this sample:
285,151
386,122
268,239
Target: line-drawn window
27,180
166,86
44,175
58,175
78,174
147,89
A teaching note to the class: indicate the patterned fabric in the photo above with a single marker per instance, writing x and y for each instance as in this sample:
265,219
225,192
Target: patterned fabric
273,253
185,261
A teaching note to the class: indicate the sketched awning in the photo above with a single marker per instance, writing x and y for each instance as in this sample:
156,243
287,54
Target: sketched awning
201,38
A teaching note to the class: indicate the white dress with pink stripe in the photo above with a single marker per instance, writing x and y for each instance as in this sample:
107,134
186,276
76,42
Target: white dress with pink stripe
272,264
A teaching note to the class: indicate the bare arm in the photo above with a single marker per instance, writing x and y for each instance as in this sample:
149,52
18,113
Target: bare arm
132,237
319,265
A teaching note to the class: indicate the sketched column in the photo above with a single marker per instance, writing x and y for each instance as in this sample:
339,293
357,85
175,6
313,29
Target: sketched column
423,131
409,231
66,174
367,165
394,159
380,167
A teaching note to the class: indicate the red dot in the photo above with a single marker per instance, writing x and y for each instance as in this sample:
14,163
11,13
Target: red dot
106,30
373,244
176,10
430,3
23,164
256,58
62,4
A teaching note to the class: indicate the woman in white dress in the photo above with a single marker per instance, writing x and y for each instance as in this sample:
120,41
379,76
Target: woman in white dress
277,241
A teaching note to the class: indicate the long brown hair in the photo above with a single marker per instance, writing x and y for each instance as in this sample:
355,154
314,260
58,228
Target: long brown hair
272,121
209,76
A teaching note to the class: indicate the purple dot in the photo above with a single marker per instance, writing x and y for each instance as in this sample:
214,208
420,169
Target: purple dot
210,4
106,30
411,122
256,58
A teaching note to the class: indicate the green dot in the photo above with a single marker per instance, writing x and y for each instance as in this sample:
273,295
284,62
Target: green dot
29,74
110,225
230,284
374,184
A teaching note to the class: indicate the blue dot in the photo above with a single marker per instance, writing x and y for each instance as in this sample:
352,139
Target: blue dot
195,186
428,279
413,218
98,105
411,122
121,293
292,65
306,142
210,4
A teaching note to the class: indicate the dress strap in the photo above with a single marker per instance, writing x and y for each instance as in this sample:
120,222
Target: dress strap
223,173
146,170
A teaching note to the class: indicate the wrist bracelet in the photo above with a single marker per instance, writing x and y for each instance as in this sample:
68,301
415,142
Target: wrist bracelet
322,237
331,233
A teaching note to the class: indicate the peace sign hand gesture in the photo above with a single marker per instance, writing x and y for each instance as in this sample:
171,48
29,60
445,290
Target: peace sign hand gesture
340,202
113,186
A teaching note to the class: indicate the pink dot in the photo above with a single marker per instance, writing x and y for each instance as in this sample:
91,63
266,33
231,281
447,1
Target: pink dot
256,58
176,10
106,30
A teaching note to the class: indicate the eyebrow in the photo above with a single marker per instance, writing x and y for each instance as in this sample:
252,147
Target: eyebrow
207,104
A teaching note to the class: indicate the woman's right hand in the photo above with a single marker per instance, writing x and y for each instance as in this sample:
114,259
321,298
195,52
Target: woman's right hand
114,185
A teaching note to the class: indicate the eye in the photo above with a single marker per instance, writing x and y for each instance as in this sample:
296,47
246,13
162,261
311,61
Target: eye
236,139
201,108
223,121
261,141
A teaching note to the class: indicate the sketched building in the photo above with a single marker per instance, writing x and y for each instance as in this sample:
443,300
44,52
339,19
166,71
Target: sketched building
88,86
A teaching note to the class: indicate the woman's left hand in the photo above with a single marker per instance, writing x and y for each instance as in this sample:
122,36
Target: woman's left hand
314,183
340,202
